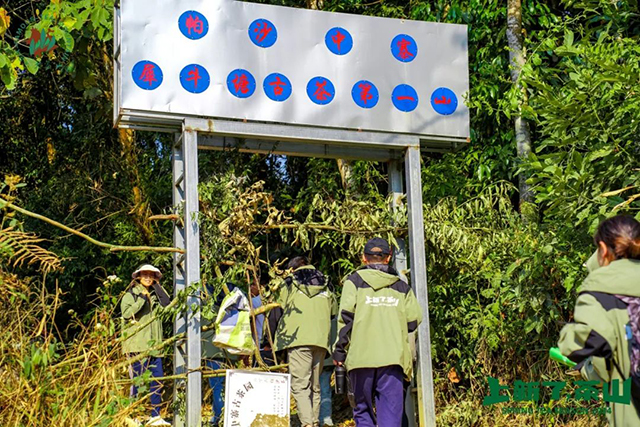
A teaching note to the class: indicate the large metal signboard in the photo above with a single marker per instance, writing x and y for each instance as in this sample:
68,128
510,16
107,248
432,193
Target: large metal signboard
237,60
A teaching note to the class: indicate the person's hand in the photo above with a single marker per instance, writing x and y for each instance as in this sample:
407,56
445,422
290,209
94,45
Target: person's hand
335,362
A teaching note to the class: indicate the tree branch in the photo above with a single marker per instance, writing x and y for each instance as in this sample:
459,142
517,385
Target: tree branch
113,248
330,228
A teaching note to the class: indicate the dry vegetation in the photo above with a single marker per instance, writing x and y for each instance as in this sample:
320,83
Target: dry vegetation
46,383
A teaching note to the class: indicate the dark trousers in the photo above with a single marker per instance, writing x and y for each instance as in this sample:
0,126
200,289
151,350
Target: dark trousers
405,417
267,358
217,386
382,387
154,364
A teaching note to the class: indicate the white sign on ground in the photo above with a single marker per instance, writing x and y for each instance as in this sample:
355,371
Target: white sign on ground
231,59
256,399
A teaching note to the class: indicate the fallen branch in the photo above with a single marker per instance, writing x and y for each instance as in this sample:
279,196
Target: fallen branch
112,248
183,335
330,228
172,217
208,373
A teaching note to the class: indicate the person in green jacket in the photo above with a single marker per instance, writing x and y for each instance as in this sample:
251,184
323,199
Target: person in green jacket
325,381
303,330
377,311
142,330
606,329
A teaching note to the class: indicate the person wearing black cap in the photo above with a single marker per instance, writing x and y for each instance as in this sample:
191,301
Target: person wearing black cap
377,311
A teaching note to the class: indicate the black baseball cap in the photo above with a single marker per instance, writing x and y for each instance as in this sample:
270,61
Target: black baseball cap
377,246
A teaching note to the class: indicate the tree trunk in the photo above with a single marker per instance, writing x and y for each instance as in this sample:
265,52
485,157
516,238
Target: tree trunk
346,172
516,60
140,210
314,4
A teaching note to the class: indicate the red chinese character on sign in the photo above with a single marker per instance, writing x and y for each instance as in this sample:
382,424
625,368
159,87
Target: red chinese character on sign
263,29
321,94
194,24
277,90
148,75
403,45
240,83
364,92
443,100
338,38
194,75
405,98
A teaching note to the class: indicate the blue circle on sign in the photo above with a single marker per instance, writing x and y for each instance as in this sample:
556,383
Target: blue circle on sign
194,78
147,75
338,41
277,87
320,90
365,94
404,98
404,48
193,25
444,101
263,33
241,83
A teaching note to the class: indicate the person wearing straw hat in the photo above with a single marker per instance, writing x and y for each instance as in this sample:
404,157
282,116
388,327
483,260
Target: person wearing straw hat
142,331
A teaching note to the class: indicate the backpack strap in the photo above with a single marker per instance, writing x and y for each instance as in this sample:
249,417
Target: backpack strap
163,298
613,359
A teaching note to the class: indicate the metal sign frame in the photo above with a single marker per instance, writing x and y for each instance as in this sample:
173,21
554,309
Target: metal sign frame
214,134
194,133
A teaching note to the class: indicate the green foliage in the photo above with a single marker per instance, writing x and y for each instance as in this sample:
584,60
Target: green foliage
241,224
497,286
65,22
584,81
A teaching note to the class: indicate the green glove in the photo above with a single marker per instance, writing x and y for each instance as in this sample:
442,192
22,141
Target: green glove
554,354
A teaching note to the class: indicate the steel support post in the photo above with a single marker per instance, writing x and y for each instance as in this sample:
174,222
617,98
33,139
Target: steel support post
192,274
396,190
426,402
186,273
180,324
